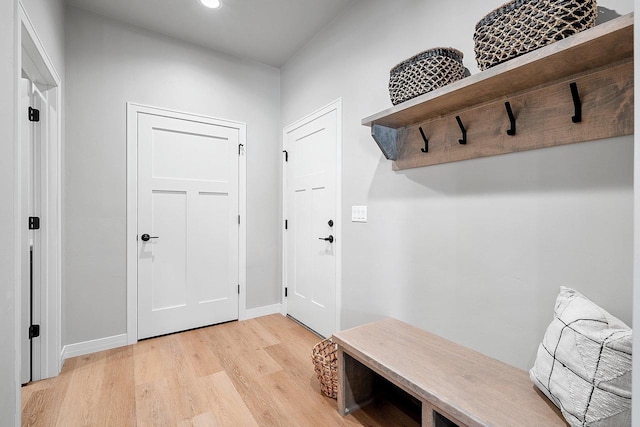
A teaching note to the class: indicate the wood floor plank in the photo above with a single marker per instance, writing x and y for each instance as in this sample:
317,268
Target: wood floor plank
254,372
153,404
118,405
203,360
290,397
298,367
226,404
38,405
43,409
191,400
27,392
259,334
249,356
260,403
150,360
278,325
83,394
203,420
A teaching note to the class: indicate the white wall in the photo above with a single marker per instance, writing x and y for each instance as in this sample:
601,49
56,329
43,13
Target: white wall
9,357
109,64
475,250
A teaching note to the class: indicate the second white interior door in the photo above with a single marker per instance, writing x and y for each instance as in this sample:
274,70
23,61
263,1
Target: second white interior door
32,142
187,224
312,221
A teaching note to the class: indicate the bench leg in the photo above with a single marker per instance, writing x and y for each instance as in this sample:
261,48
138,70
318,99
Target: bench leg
355,384
427,414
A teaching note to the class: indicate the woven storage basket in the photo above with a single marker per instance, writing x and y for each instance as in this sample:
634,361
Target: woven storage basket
521,26
325,361
425,72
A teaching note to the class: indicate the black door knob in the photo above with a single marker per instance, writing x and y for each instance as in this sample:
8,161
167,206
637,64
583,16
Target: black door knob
328,239
145,237
330,223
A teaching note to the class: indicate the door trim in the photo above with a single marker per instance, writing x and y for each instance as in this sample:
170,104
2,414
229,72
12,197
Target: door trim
133,109
337,107
33,58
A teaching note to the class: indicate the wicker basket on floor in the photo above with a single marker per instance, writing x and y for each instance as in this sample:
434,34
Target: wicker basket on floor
521,26
425,72
325,362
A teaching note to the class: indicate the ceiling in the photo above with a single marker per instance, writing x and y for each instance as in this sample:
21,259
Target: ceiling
267,31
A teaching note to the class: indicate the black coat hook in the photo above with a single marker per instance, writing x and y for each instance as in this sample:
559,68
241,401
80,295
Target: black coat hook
577,103
511,131
462,141
426,141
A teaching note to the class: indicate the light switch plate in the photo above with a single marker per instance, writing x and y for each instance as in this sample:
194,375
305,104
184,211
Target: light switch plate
358,214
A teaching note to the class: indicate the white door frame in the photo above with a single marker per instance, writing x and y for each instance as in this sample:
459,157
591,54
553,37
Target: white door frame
133,110
32,57
337,106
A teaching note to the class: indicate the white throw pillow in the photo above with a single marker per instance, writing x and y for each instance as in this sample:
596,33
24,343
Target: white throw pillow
584,363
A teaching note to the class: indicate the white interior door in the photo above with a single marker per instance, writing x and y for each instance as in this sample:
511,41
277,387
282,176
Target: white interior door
40,188
188,209
311,236
26,137
31,246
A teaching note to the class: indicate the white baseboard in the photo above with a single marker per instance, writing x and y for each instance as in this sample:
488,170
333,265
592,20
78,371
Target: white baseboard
93,346
261,311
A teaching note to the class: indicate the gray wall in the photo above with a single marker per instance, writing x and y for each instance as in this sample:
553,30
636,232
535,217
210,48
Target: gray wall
109,64
476,250
9,356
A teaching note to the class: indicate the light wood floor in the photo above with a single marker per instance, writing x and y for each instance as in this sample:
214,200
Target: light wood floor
251,373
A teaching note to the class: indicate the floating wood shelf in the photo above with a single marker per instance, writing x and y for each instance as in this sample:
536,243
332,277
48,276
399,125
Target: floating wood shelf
536,85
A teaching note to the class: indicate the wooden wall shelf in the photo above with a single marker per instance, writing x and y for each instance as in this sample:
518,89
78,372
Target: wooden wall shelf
537,86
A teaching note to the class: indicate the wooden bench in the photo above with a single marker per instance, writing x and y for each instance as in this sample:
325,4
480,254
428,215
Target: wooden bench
461,385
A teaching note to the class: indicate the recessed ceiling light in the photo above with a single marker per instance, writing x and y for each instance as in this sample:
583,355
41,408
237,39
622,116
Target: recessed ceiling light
211,4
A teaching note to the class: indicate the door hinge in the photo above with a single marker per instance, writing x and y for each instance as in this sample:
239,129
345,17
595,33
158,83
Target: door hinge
286,224
238,219
240,148
286,292
34,331
34,115
286,155
238,289
34,223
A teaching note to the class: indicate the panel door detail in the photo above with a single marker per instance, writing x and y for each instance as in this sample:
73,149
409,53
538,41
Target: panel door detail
187,224
311,213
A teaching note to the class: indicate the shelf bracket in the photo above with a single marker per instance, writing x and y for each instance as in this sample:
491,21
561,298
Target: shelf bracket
577,103
512,119
462,141
426,141
387,140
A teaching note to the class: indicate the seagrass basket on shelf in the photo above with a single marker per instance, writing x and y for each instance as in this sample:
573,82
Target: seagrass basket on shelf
325,362
521,26
425,72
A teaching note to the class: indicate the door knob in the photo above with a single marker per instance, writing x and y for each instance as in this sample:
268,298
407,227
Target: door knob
330,223
328,239
145,237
